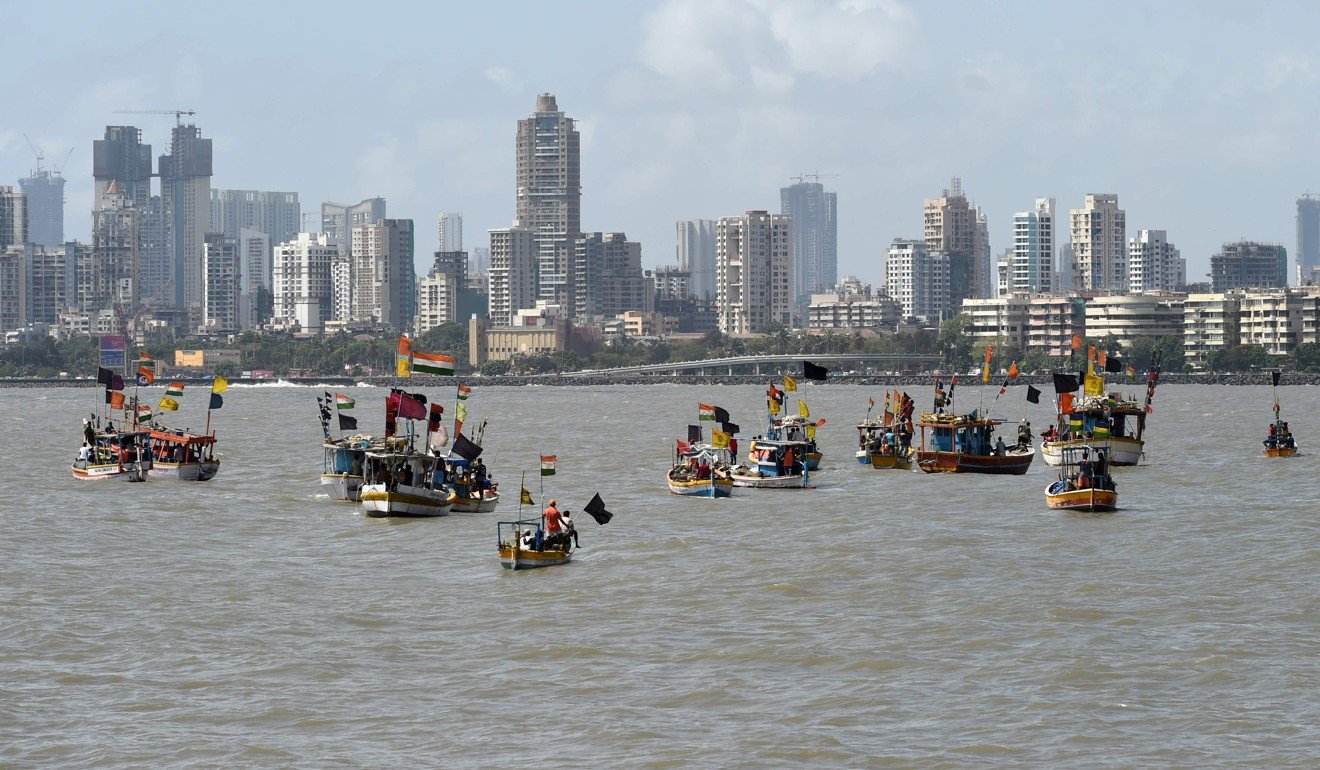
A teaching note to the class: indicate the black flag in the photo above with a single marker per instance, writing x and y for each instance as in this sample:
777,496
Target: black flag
721,415
1275,375
107,395
694,434
1113,364
730,428
814,372
597,510
466,449
1033,395
104,376
347,423
216,401
1064,383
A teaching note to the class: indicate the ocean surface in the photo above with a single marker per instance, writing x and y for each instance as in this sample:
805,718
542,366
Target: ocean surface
881,619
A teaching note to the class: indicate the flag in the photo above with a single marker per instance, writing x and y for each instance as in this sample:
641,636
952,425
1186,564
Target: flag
683,447
437,414
1131,371
985,372
1065,403
1077,342
525,498
346,422
813,372
775,394
391,412
144,414
115,399
811,432
432,363
790,384
410,408
721,415
989,353
1065,383
719,439
547,465
1113,364
103,376
460,412
803,411
774,406
1094,385
596,508
219,384
343,402
1275,376
1103,360
1033,395
116,382
953,383
168,404
1090,353
217,401
730,428
403,358
694,434
1003,388
1013,371
175,390
463,392
1276,406
705,412
466,449
870,403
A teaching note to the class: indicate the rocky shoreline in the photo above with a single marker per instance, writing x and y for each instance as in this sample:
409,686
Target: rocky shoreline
511,381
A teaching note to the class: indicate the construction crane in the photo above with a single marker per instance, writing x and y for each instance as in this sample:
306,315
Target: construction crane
59,170
128,326
816,177
178,114
40,155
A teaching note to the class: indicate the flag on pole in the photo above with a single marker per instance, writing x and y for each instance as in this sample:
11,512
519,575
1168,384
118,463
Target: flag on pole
146,369
465,448
463,392
803,411
1077,342
144,414
460,412
347,422
719,439
217,401
168,404
403,357
596,509
343,402
547,465
813,372
219,384
175,390
1033,395
1003,388
706,412
116,382
411,407
1013,371
432,363
526,497
115,399
103,376
790,384
870,403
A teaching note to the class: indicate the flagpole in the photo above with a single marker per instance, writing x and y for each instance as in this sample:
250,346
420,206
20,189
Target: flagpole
521,486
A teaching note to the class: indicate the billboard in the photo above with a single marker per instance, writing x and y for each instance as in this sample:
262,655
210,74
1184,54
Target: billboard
113,351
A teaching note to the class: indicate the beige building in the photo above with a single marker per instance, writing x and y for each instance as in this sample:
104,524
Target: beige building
512,273
1051,323
753,272
853,305
1272,319
1210,323
437,297
918,279
1128,316
303,287
1001,318
952,227
1099,245
384,277
549,196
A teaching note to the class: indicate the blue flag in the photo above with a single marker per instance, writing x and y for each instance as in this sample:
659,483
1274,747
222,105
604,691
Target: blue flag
216,401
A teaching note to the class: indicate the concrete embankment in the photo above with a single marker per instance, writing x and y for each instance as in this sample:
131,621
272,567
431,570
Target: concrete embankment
913,381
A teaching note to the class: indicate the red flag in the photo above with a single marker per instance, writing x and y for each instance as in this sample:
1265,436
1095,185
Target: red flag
1065,403
437,413
391,413
683,447
410,408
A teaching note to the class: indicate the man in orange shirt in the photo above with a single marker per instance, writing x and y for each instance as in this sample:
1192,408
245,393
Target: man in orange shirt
554,523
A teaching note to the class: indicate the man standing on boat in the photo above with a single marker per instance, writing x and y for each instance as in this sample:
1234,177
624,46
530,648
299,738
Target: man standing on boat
554,523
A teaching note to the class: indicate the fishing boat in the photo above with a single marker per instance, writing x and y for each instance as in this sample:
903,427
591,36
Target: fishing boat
1113,420
182,456
474,493
900,459
797,430
341,475
523,545
700,470
773,465
1084,483
121,455
869,431
1279,442
965,444
400,481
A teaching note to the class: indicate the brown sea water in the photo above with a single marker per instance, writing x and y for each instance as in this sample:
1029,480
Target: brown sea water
881,619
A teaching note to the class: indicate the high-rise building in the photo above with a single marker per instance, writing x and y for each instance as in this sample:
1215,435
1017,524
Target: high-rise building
221,287
384,279
255,260
450,231
185,193
303,291
339,219
918,279
512,273
479,262
696,254
13,218
1031,264
1099,244
1247,264
109,279
45,206
1308,237
49,282
609,275
549,196
122,157
753,272
14,311
952,227
815,237
277,214
1154,263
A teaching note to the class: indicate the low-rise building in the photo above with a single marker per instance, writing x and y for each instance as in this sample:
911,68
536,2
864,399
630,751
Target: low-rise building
1210,323
853,305
1128,316
1052,321
1001,318
1272,319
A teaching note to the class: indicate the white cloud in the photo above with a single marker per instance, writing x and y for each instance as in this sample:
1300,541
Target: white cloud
504,78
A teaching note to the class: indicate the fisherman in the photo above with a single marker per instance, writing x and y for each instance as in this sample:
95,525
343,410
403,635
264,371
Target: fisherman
703,469
89,433
1024,435
570,532
1000,449
1101,472
1084,471
85,452
554,522
479,475
789,459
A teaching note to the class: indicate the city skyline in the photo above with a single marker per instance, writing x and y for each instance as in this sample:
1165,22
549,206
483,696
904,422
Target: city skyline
677,127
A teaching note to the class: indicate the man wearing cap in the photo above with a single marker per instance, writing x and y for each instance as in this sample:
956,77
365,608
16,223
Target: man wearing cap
554,523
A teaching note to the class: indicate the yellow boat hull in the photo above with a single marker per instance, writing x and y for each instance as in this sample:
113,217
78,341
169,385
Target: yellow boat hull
1082,499
902,462
515,558
1281,451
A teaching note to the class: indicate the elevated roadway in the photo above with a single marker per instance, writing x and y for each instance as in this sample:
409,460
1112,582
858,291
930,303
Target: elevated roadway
863,363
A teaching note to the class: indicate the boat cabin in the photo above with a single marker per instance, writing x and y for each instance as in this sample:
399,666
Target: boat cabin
968,435
409,469
779,458
180,447
1084,466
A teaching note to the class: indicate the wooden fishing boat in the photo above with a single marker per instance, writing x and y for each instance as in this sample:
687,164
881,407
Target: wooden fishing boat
468,497
965,444
796,429
1280,451
522,545
899,460
773,465
183,456
1112,420
1280,441
117,455
716,484
404,483
1084,483
341,476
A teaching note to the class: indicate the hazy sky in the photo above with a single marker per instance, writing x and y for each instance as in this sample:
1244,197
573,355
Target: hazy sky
1202,117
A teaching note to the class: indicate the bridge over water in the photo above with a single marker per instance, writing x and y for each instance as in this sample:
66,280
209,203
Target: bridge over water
862,363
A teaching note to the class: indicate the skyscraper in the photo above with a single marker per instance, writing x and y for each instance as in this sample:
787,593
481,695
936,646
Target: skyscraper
339,219
549,196
45,207
1099,244
185,193
1308,237
384,278
256,277
303,289
1154,264
512,273
450,231
610,279
13,218
277,214
221,287
815,237
1031,264
918,279
753,272
115,252
952,228
696,255
121,156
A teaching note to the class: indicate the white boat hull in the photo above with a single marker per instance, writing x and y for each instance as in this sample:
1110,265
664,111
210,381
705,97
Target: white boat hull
1121,451
486,504
127,472
343,486
768,482
378,502
203,471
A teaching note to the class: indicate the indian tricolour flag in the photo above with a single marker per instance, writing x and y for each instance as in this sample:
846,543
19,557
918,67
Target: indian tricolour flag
432,363
547,465
175,390
343,402
463,392
705,412
144,414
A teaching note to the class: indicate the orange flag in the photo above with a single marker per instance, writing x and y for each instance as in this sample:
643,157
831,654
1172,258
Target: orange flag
989,353
1090,353
1104,356
1013,371
1077,342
